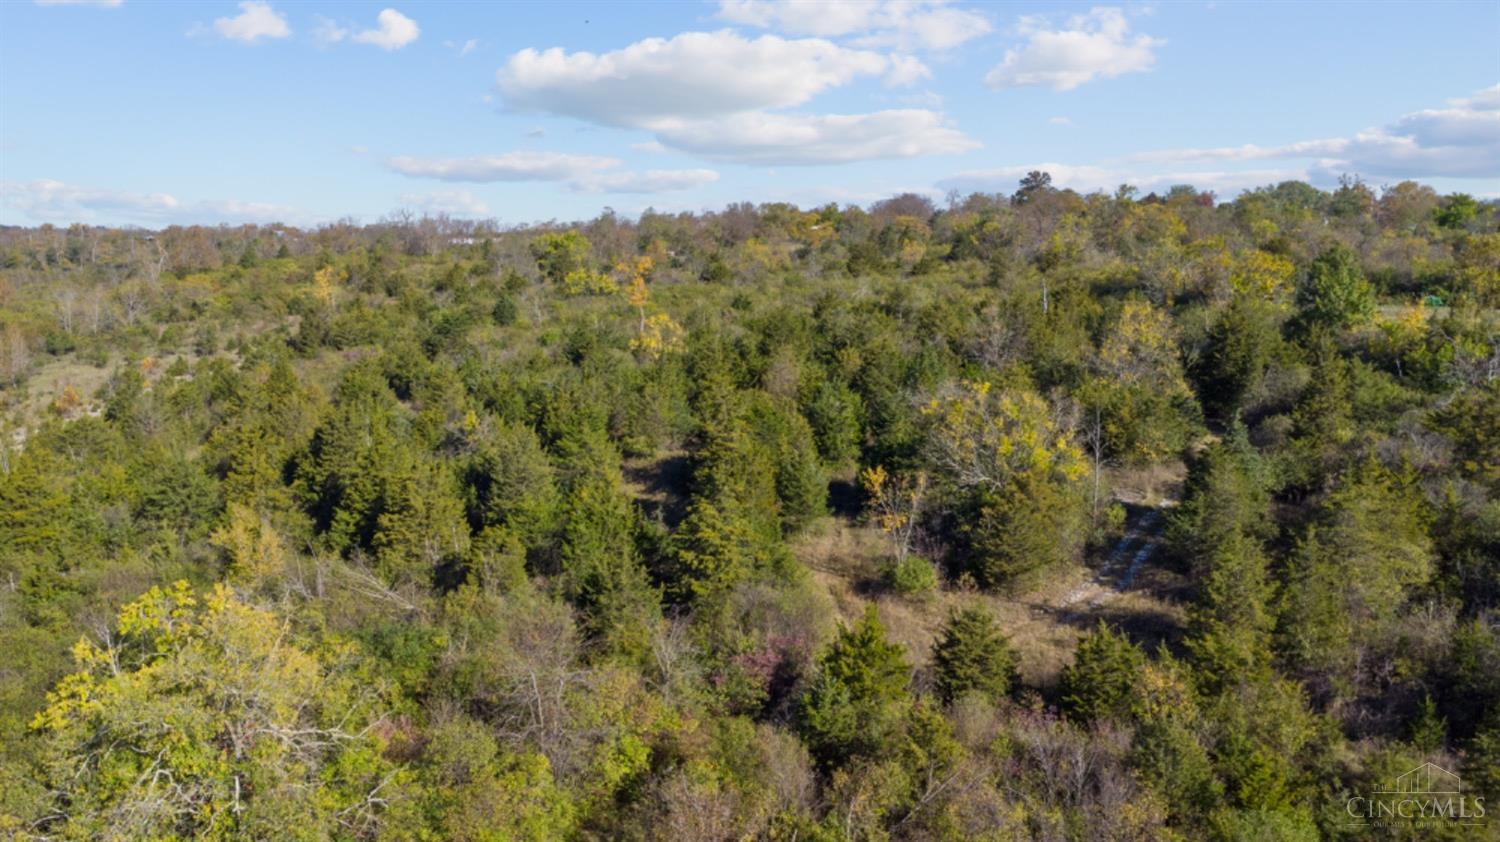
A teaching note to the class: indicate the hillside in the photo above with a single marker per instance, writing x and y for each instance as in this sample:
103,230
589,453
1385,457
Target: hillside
1030,516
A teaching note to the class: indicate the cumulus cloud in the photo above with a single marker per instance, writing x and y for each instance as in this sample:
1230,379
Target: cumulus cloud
1092,45
761,138
47,200
718,94
907,70
512,166
451,202
328,31
255,21
902,24
392,32
581,173
694,74
1461,140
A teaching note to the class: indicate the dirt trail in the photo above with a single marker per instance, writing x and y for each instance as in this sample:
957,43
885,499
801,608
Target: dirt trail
1119,570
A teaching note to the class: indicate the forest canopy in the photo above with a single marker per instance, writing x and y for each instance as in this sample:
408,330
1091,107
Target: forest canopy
1030,516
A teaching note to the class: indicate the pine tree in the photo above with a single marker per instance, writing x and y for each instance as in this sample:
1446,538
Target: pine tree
602,572
855,704
1101,681
1229,626
972,655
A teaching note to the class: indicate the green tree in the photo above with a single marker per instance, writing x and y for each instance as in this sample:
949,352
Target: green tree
602,572
834,414
1225,497
511,483
559,254
203,718
421,524
1101,681
856,703
1456,211
1230,623
1239,346
1365,553
1334,293
973,655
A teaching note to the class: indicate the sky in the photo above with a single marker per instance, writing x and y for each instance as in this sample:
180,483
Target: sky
154,113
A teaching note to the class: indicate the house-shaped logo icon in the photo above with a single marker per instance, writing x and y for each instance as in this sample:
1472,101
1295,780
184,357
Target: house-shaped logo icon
1427,779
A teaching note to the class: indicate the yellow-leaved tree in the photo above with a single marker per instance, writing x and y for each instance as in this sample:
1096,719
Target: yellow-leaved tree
204,717
1014,472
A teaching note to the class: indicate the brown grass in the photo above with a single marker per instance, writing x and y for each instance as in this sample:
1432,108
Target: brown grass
845,558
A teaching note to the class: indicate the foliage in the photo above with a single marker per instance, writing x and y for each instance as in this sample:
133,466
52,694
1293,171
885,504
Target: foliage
200,719
547,532
972,655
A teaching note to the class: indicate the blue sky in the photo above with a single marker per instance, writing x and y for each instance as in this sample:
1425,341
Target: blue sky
156,113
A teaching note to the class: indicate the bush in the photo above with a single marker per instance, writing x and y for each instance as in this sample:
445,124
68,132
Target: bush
911,576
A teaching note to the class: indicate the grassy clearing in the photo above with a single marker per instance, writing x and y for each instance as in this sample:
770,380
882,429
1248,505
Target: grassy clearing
845,559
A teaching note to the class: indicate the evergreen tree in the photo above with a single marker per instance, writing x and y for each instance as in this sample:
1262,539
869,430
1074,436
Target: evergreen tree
856,703
1365,553
1229,626
1236,352
1101,681
602,572
972,655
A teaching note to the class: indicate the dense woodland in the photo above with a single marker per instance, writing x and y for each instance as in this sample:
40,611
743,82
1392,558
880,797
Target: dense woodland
718,526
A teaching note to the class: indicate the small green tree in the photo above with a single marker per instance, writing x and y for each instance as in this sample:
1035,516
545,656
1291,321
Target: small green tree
1234,357
1229,628
973,655
1101,681
1335,293
560,254
859,697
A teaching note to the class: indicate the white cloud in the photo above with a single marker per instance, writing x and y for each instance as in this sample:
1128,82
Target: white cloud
451,202
902,24
581,173
462,49
906,70
255,21
328,31
1095,44
1059,121
393,31
761,138
1460,141
1245,152
694,74
1486,100
653,147
649,181
47,200
715,94
512,166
